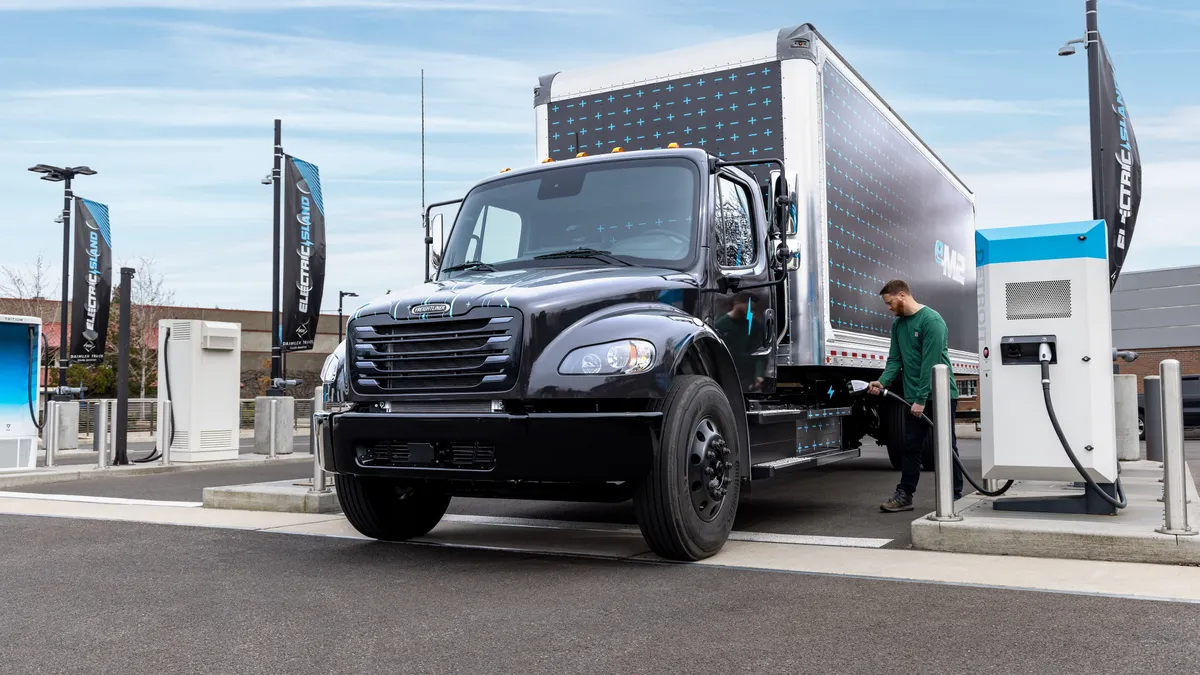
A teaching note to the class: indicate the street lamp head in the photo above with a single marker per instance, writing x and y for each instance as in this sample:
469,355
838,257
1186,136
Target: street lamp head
44,168
83,171
1068,49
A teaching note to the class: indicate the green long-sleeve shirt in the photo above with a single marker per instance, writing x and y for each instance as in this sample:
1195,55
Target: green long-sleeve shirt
918,343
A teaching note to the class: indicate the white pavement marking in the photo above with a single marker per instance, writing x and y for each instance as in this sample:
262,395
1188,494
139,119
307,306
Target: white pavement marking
86,499
624,543
584,526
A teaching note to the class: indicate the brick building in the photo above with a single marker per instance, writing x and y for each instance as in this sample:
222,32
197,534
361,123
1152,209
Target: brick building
1157,314
256,338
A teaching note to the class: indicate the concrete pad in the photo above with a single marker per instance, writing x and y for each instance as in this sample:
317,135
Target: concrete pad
58,474
1129,536
288,496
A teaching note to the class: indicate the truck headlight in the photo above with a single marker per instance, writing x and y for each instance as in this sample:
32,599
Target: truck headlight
335,380
623,357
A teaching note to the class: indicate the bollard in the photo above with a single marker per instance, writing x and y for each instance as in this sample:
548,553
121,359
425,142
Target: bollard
50,432
1153,418
944,466
101,430
1174,470
271,418
318,485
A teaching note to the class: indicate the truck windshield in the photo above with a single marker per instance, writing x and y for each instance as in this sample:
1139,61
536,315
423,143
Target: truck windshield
639,211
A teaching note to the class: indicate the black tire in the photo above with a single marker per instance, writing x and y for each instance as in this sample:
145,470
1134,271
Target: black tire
1141,424
894,419
388,510
893,425
667,502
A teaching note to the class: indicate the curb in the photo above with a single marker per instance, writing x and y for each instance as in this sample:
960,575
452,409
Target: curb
42,475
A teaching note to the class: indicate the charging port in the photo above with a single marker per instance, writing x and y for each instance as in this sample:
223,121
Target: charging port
1023,349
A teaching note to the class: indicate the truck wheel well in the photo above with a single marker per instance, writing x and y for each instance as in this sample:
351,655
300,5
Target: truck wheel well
703,358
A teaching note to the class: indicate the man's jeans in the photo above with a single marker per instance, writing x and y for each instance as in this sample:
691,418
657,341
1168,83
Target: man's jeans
915,432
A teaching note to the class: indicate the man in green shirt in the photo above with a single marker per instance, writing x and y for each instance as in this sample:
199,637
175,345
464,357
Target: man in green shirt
919,341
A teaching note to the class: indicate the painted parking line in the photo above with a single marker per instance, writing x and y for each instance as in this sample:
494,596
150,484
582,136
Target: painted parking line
624,543
765,537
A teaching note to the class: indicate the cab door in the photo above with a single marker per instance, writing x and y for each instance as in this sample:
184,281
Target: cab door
743,316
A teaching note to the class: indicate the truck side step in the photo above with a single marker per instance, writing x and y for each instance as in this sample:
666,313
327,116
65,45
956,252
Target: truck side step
778,415
789,464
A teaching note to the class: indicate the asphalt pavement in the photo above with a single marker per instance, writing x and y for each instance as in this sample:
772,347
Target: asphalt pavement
108,597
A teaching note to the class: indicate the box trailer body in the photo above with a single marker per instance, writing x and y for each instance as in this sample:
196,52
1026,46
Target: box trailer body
873,201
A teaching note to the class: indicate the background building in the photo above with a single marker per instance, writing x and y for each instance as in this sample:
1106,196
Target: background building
1157,314
256,341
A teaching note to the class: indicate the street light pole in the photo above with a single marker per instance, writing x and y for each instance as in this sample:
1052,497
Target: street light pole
342,294
56,174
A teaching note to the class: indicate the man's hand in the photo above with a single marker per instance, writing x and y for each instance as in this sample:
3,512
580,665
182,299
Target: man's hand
874,388
918,410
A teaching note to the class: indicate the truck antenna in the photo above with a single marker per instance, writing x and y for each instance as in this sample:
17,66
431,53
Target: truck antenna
422,144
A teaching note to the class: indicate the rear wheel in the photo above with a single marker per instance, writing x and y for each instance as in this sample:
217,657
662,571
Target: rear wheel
686,506
390,510
895,417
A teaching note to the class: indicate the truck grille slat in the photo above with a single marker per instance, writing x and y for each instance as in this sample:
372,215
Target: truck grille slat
416,356
444,455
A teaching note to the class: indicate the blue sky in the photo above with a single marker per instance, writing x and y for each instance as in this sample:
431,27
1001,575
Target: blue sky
172,101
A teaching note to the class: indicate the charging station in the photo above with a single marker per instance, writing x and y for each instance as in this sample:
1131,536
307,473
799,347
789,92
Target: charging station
20,352
199,372
1045,318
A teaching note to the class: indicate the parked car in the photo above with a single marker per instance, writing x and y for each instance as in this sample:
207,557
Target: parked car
1191,405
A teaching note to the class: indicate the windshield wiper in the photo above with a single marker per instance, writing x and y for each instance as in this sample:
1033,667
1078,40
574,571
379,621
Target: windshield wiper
473,265
597,254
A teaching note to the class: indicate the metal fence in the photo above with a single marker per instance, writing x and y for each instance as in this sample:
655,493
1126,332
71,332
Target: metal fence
143,415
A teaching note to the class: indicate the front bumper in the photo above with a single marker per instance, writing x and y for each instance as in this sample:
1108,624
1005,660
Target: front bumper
537,447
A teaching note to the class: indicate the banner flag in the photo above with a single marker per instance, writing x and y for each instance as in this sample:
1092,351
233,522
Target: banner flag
303,254
91,291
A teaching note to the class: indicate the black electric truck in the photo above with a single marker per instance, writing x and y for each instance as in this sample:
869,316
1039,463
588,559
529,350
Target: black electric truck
667,307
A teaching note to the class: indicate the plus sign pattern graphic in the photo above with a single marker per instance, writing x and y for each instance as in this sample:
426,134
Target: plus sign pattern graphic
733,114
887,207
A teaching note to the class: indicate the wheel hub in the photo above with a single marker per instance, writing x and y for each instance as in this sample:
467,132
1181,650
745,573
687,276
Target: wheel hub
710,469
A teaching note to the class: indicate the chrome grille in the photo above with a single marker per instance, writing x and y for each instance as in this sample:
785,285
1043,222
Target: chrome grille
476,353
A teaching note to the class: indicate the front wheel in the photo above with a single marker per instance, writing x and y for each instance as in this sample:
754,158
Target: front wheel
389,510
686,506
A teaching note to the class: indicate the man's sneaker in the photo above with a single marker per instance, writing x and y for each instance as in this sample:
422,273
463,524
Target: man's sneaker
901,501
957,496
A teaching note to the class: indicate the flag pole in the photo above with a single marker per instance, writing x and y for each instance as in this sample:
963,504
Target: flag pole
1092,44
276,346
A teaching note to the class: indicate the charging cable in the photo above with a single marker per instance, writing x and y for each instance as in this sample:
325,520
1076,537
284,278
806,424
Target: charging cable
1045,356
32,371
987,493
156,453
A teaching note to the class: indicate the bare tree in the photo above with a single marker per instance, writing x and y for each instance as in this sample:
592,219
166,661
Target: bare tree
151,298
29,288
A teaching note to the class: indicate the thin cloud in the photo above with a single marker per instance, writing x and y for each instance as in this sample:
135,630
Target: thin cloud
982,106
507,6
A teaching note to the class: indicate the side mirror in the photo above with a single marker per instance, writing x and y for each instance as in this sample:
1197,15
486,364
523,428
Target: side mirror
781,203
437,249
